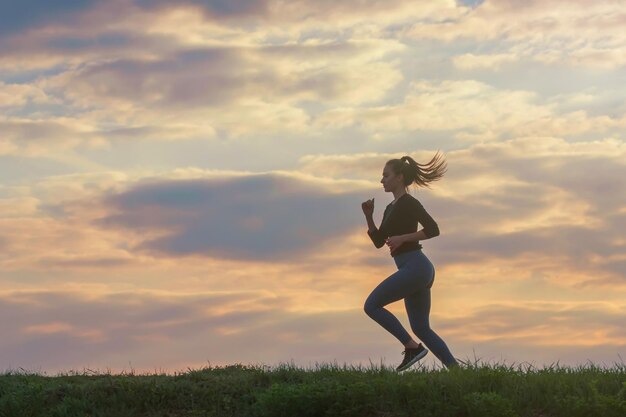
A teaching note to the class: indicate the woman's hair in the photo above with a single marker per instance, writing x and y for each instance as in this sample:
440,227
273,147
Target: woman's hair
420,174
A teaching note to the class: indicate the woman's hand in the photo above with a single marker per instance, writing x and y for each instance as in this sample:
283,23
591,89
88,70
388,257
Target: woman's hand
368,207
394,242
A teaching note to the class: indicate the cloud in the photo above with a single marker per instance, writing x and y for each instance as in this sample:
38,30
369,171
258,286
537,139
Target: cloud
472,61
545,324
54,235
63,329
18,95
192,94
449,105
471,3
321,13
529,198
121,29
542,198
264,216
219,76
345,166
60,331
588,34
78,262
207,77
18,16
46,226
145,78
33,15
218,9
472,111
36,137
520,95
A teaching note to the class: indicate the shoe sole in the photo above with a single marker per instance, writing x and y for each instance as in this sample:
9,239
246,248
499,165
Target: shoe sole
415,359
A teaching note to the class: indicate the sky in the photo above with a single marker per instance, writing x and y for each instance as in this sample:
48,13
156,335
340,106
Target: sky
181,182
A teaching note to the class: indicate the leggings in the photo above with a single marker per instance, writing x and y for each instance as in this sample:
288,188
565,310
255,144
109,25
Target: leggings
412,281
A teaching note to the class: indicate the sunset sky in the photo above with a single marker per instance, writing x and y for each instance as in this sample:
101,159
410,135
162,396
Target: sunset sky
181,182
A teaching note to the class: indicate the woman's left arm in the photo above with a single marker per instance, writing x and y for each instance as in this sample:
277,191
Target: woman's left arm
394,242
430,226
415,236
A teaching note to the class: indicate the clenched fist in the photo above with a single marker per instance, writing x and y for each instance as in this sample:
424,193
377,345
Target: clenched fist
368,207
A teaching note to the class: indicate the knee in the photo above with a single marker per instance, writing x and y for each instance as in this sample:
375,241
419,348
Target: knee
369,307
421,329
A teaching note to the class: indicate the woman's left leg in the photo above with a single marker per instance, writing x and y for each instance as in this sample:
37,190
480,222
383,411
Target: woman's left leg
418,309
397,286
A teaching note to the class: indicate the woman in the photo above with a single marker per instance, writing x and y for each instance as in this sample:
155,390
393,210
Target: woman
416,274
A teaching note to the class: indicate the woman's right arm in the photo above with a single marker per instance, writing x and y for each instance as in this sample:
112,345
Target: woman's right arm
377,237
370,224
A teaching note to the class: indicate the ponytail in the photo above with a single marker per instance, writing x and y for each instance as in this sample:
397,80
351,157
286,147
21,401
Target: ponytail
420,174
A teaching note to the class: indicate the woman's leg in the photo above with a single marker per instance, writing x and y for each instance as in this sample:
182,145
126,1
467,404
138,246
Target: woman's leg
418,309
394,288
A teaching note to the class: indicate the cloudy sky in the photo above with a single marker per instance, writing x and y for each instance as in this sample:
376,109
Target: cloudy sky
181,184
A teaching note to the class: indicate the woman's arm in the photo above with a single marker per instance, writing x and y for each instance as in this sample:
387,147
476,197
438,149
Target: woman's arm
431,229
377,238
415,236
370,223
394,242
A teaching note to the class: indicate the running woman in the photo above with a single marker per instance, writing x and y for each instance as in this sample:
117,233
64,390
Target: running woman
416,274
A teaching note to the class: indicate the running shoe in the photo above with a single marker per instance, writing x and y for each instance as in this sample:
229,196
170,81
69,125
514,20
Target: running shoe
411,356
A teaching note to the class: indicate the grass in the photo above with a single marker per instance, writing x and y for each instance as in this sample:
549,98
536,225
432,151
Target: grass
477,389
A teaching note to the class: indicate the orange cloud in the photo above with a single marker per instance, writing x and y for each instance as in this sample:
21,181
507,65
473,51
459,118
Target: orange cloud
121,328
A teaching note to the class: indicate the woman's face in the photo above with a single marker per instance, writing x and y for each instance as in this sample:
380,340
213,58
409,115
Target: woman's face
390,180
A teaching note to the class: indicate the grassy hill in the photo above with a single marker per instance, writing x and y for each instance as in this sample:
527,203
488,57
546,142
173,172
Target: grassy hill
326,390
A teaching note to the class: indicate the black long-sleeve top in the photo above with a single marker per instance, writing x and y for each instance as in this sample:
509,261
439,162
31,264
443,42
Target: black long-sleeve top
401,218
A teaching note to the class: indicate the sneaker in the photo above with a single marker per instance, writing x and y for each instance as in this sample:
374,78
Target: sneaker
411,356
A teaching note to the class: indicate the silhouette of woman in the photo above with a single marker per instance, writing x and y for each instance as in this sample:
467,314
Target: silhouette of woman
416,274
